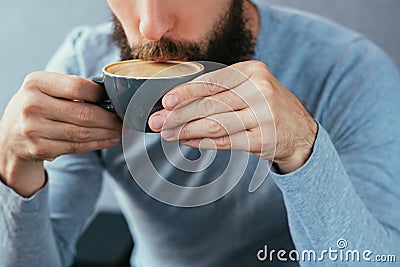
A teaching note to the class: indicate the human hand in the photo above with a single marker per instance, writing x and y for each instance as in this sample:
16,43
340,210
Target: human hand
241,107
42,122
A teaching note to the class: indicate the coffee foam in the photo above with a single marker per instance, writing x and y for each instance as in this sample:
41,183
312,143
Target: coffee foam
148,69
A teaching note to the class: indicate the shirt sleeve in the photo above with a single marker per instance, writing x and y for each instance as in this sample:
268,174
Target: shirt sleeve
42,230
349,189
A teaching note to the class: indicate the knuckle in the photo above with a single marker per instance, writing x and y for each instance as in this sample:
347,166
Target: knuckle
40,152
206,106
76,147
211,84
255,65
259,64
257,69
215,128
73,147
30,103
185,131
29,108
31,81
84,134
175,116
86,114
81,134
75,85
28,131
188,92
267,88
223,141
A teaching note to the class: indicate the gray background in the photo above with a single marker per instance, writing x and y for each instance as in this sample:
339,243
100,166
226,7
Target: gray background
32,30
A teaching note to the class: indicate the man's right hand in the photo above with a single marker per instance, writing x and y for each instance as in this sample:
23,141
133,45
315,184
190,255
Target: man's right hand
42,122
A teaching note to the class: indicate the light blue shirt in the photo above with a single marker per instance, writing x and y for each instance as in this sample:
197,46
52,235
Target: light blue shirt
348,189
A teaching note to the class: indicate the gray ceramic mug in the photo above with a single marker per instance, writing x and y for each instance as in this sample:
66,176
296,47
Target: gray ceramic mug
122,81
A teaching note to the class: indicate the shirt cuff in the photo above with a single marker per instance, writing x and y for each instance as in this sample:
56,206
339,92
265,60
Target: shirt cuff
323,162
16,203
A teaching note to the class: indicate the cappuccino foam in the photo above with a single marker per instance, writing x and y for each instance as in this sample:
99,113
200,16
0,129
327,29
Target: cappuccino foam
148,69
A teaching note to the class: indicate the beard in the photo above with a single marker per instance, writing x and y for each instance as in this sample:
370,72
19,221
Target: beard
229,42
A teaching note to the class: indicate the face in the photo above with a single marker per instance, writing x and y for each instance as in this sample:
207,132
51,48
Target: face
213,30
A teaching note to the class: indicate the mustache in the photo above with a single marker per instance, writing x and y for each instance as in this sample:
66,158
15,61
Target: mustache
167,49
228,42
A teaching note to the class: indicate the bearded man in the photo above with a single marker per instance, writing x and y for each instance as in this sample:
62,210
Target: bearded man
331,132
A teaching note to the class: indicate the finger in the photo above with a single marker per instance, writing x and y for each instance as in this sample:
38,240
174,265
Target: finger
72,133
206,85
65,86
202,108
243,141
214,126
80,114
241,97
49,149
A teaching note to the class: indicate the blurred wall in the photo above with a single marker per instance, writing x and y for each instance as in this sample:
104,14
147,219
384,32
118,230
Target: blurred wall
379,20
32,30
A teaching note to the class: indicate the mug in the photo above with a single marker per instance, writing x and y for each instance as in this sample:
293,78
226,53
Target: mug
122,81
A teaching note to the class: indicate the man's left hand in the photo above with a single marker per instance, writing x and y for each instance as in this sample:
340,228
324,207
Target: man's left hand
241,107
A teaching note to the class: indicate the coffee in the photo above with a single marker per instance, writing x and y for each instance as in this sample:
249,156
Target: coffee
135,87
148,69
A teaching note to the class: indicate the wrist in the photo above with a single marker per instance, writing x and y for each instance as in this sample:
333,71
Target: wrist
24,177
301,151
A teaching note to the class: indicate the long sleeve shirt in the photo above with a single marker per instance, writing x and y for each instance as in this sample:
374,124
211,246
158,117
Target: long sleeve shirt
345,197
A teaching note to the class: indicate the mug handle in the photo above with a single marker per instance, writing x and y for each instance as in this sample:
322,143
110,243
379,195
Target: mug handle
107,105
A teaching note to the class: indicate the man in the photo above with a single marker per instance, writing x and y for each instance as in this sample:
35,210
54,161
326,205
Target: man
331,130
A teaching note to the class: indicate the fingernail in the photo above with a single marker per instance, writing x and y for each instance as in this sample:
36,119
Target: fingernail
167,134
171,101
157,122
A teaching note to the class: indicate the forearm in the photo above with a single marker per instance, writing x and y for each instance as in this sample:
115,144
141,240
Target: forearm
26,231
323,206
43,230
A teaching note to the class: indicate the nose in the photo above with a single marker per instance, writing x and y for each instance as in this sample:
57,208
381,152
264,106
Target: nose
155,19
